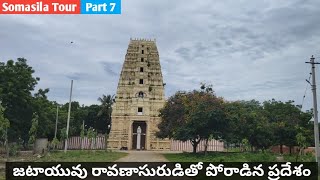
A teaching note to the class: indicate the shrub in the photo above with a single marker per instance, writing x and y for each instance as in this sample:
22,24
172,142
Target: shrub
13,149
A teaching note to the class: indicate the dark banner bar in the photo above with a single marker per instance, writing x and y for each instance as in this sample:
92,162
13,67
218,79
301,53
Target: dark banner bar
85,170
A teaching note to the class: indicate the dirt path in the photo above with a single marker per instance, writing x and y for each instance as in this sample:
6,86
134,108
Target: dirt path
143,156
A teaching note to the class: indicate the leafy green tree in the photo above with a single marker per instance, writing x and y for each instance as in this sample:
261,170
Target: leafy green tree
55,142
82,135
16,84
172,114
247,121
305,127
62,121
235,112
285,118
90,136
95,134
91,117
104,113
262,137
4,125
245,145
302,143
46,110
34,128
63,134
75,118
193,116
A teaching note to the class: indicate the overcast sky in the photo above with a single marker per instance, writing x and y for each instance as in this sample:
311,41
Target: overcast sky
247,49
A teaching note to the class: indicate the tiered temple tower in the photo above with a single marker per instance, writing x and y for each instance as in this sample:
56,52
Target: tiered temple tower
140,95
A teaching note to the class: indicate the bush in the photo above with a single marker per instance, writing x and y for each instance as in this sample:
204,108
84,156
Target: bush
308,157
53,144
13,149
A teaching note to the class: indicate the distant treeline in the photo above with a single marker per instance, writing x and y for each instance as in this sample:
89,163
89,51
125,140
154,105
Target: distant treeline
201,115
19,104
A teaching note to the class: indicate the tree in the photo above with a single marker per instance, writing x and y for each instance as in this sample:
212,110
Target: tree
172,114
273,123
4,125
193,116
302,143
54,143
16,84
285,118
104,113
76,117
91,119
95,134
34,128
46,111
305,127
90,136
262,137
63,135
247,122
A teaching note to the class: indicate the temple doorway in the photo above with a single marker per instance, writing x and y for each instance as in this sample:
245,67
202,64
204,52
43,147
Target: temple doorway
139,129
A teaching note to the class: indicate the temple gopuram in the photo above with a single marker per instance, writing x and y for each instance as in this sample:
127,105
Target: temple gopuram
140,96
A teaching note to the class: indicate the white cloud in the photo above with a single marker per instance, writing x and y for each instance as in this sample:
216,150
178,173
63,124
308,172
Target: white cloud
246,49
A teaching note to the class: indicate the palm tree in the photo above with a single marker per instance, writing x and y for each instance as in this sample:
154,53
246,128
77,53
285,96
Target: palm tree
106,108
105,113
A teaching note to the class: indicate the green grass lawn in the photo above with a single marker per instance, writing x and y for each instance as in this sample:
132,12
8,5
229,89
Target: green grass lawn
70,156
73,156
233,157
82,156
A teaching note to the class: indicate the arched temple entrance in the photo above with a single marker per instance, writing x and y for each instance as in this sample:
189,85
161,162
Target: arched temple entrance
139,129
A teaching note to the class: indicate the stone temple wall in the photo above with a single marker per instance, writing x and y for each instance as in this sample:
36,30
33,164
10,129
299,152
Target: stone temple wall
140,95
